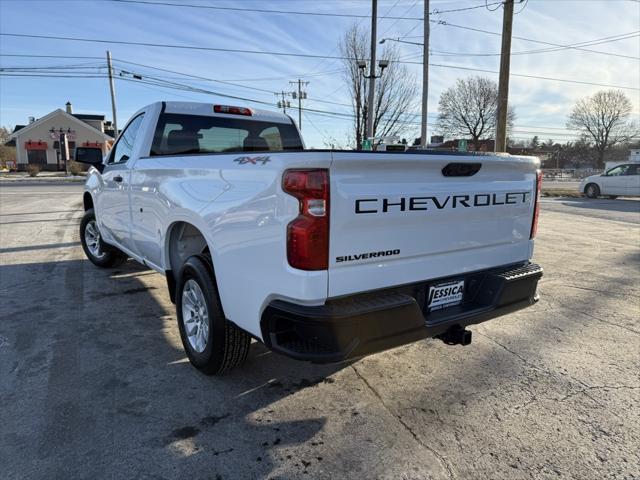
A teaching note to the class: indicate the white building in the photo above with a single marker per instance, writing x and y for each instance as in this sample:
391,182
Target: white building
39,142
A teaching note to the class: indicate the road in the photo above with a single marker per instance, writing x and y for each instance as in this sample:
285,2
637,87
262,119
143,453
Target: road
621,210
94,382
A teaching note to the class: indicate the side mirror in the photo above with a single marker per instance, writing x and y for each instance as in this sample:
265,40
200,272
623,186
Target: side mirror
91,156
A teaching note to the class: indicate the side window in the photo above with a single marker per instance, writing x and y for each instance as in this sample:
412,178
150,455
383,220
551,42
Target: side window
633,170
617,171
124,146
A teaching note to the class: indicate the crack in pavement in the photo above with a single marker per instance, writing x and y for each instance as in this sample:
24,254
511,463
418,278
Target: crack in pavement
551,373
608,292
600,387
609,323
437,454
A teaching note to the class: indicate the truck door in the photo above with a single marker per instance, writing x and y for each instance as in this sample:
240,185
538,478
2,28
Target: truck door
113,205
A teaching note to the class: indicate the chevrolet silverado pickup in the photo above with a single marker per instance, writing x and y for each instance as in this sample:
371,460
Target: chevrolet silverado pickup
322,255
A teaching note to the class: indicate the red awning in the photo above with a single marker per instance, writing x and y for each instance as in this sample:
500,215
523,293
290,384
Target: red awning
39,145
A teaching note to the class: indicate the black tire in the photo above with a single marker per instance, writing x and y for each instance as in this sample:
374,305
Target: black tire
226,345
107,256
592,190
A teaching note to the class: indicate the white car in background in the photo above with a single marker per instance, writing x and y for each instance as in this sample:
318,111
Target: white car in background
622,180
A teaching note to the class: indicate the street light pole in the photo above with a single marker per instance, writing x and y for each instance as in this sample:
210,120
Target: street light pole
503,83
372,69
425,76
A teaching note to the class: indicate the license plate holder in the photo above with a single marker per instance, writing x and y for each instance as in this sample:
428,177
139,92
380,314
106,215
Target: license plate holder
444,295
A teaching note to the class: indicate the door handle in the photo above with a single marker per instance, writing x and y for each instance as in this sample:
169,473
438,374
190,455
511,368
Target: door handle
117,178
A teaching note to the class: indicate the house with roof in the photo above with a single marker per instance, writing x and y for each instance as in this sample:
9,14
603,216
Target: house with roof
38,142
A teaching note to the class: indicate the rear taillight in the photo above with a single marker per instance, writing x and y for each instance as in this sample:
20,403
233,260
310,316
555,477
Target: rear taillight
308,233
536,207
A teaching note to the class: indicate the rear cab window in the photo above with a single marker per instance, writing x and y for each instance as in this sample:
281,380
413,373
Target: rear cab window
185,134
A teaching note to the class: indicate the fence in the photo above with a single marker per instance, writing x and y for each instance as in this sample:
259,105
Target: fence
568,174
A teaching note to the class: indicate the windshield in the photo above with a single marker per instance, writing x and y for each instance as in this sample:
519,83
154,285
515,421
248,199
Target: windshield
180,134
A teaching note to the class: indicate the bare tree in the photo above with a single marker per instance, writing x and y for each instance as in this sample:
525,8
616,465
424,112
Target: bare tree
7,153
469,109
604,118
395,94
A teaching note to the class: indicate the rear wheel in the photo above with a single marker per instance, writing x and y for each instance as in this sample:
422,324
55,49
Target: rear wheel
213,344
96,250
592,190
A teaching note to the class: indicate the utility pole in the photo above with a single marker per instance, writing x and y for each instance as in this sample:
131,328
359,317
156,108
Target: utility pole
113,94
301,95
372,69
425,76
503,84
284,103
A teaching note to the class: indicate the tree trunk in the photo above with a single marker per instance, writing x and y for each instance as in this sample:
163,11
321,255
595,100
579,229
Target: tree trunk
600,158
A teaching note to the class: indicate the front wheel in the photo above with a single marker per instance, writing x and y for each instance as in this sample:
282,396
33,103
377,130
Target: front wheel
592,190
213,344
96,250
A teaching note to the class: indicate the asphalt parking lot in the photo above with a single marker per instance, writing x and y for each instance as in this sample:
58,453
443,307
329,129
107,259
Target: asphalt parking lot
94,382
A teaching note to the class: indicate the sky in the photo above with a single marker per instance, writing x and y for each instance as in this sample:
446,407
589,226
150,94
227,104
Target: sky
541,106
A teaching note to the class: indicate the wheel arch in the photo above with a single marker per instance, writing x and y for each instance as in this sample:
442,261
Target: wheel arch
183,239
87,201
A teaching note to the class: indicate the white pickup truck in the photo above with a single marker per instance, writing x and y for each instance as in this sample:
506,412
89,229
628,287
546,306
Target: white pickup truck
321,255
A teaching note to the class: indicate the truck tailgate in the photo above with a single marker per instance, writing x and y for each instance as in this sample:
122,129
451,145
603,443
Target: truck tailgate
397,219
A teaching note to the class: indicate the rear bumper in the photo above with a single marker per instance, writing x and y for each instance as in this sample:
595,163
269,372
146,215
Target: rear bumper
367,323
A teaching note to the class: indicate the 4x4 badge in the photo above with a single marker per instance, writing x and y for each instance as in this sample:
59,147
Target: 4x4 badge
252,160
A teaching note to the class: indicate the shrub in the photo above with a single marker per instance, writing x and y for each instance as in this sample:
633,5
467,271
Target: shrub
33,170
75,168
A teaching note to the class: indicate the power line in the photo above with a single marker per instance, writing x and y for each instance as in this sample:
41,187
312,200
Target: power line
541,42
150,80
325,138
537,77
59,67
337,46
51,75
323,14
198,77
253,79
46,56
259,52
524,5
292,12
167,45
332,114
217,81
396,21
598,41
